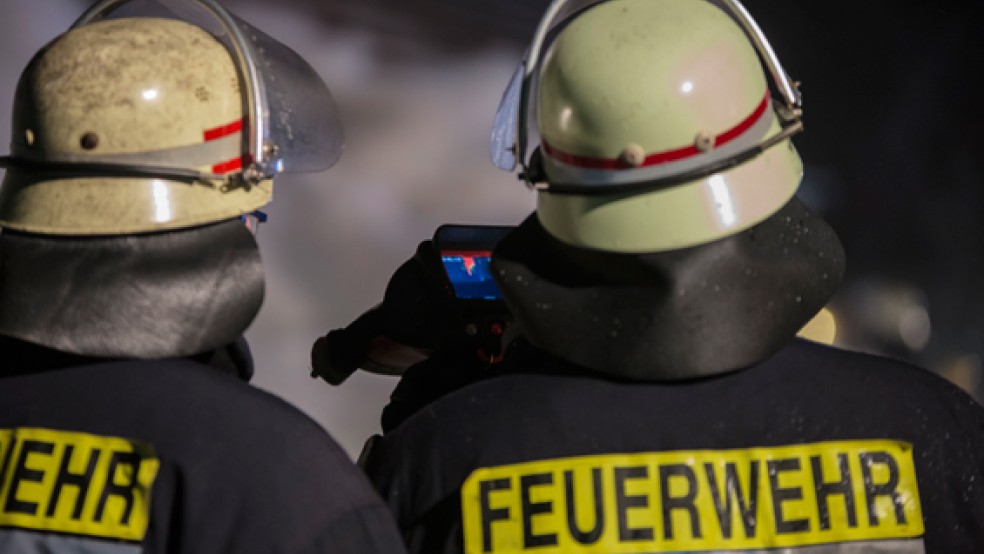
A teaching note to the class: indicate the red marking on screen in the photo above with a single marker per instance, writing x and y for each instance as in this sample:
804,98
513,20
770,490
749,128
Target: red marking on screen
467,257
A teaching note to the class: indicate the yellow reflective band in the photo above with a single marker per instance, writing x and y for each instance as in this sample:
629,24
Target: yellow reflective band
754,498
75,483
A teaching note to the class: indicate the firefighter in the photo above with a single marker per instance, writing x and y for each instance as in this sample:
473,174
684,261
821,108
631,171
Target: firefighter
658,400
144,141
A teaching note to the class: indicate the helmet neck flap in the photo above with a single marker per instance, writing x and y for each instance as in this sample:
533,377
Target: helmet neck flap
675,315
163,295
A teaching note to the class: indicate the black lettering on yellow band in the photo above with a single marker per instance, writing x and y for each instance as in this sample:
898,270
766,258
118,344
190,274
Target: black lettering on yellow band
75,483
745,499
590,536
785,494
826,489
626,501
727,496
491,515
683,502
532,539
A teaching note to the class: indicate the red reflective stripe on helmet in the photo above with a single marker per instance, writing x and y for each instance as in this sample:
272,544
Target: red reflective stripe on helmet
658,158
226,167
223,130
745,125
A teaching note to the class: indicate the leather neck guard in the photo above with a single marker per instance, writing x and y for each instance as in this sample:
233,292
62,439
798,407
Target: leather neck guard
162,295
684,314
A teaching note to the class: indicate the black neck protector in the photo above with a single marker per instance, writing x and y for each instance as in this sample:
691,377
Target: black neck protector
682,314
162,295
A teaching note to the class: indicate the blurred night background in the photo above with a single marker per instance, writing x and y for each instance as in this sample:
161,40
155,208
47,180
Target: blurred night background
893,150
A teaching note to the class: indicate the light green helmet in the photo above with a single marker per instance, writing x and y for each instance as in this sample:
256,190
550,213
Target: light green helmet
657,130
151,115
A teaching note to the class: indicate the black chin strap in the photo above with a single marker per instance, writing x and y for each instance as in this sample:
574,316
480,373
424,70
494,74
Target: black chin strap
105,169
536,176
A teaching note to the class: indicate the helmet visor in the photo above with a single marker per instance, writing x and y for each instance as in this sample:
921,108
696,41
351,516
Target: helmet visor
504,150
510,130
293,123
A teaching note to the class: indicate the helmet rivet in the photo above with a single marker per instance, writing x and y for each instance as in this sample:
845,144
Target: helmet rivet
89,141
704,143
633,155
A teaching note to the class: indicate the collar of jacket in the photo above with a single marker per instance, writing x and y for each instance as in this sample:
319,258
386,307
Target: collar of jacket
24,358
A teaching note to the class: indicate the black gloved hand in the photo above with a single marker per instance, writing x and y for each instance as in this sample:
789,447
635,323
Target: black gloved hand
417,316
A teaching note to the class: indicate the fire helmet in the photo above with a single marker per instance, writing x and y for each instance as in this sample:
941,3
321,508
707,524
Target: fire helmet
657,130
150,115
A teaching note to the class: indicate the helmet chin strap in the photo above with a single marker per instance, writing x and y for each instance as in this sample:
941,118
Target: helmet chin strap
681,314
536,176
110,169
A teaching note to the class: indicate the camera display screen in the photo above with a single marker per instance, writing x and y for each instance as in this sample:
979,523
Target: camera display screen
470,274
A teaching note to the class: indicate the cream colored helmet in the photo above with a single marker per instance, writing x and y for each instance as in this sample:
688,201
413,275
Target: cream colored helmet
151,115
657,130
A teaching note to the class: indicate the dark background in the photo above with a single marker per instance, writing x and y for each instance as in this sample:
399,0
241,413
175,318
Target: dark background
892,145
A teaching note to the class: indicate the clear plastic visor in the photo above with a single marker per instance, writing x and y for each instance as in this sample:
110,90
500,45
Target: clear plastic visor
292,123
512,120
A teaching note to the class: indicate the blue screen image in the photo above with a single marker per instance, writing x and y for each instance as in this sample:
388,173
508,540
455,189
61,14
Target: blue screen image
471,275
